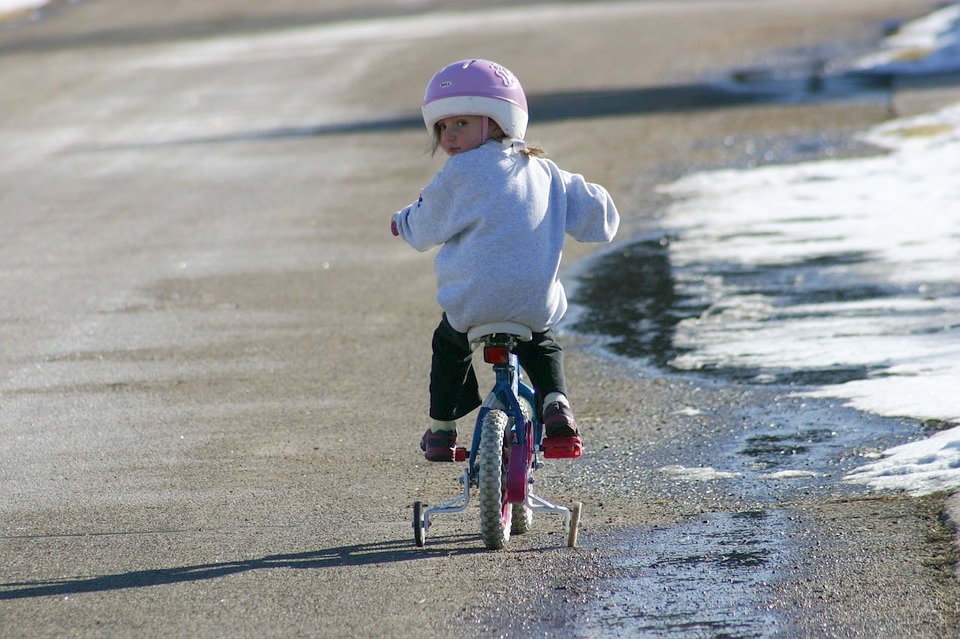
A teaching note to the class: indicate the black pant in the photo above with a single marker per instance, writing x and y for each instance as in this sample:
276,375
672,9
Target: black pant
453,382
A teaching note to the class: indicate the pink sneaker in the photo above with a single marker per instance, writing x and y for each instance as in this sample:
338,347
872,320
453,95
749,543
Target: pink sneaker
558,421
562,440
440,446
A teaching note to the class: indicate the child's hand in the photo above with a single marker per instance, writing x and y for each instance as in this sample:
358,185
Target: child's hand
393,228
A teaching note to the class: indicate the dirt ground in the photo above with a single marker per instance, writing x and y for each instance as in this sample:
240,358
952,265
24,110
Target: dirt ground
214,361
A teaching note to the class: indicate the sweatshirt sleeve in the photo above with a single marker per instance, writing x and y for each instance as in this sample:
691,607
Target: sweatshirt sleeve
430,221
591,214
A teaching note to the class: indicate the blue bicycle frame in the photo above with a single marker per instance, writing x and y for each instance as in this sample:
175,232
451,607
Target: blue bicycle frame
507,388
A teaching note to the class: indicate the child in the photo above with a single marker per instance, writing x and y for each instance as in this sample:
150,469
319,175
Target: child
499,212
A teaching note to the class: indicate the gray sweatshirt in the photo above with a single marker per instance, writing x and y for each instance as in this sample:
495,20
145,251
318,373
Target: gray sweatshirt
500,217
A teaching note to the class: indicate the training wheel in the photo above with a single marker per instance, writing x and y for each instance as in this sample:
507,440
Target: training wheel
575,512
418,523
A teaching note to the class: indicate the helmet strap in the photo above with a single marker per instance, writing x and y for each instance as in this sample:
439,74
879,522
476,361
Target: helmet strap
485,129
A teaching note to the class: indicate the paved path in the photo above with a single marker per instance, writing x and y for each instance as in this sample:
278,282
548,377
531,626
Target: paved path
214,355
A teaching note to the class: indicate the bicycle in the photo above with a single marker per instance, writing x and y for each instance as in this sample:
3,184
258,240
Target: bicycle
505,450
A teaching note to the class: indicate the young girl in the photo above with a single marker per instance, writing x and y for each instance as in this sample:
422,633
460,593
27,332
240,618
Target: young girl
499,212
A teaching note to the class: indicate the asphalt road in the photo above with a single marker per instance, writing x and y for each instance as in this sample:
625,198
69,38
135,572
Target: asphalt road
214,355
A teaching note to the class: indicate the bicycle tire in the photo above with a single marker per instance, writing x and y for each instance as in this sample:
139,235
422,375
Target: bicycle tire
522,520
495,510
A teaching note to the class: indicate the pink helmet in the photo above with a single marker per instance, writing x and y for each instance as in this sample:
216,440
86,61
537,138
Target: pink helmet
477,87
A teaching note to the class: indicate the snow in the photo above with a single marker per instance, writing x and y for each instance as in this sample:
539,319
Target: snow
14,6
897,219
928,45
919,468
706,473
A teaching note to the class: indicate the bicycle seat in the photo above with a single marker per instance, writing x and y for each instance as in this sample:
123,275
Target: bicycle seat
521,331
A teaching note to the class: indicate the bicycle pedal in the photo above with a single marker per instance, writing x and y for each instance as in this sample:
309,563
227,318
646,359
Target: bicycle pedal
460,454
562,447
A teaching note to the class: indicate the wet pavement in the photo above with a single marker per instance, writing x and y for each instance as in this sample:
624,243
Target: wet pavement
707,576
755,462
712,574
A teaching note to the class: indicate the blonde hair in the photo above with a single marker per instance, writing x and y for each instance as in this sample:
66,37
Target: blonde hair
530,150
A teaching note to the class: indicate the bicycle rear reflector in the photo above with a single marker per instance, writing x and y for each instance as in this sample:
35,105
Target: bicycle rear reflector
496,355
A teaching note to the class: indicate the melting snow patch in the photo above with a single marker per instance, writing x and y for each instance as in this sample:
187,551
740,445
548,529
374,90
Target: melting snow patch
14,6
919,468
789,474
867,255
705,473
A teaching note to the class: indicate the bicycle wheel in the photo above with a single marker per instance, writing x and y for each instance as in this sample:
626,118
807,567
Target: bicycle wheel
522,520
495,510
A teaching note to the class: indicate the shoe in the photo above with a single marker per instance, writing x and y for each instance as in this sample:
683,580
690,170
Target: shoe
558,421
440,446
562,439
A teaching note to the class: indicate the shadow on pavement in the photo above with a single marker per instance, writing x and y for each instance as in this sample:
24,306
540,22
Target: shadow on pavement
592,103
356,555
